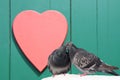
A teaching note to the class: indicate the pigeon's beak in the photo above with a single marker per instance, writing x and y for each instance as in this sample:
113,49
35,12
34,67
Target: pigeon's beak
69,44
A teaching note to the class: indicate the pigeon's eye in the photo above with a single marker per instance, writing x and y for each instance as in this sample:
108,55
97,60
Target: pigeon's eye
67,51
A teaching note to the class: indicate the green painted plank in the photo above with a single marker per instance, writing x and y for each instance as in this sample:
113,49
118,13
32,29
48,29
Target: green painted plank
4,40
62,6
84,26
21,68
109,26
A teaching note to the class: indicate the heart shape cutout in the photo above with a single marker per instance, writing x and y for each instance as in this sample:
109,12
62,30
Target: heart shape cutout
39,34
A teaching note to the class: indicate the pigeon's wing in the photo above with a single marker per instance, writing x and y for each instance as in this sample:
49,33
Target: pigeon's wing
84,59
49,63
53,59
80,61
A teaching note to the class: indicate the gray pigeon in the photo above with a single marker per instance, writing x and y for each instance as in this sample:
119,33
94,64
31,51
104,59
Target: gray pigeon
87,62
59,61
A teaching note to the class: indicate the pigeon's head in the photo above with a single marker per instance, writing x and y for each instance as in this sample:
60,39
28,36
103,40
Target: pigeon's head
61,50
70,47
69,44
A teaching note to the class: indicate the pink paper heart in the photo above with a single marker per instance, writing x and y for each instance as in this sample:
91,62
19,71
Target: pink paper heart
39,34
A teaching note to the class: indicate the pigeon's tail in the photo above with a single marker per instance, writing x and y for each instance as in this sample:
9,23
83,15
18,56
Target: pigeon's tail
108,69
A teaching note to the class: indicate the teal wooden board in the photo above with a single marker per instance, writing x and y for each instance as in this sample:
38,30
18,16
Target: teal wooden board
84,33
17,57
94,26
21,68
84,24
108,31
64,7
4,40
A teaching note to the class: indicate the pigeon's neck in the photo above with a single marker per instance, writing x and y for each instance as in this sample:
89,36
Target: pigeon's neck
74,48
72,52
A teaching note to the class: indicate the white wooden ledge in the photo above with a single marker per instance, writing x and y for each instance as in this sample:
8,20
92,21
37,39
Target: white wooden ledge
77,77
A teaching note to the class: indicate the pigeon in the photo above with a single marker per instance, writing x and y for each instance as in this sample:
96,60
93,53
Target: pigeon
87,62
59,61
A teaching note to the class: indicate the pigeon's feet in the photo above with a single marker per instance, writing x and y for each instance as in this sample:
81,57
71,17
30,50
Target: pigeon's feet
64,74
84,74
53,75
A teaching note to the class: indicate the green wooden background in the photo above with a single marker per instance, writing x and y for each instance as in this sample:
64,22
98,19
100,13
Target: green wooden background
93,25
